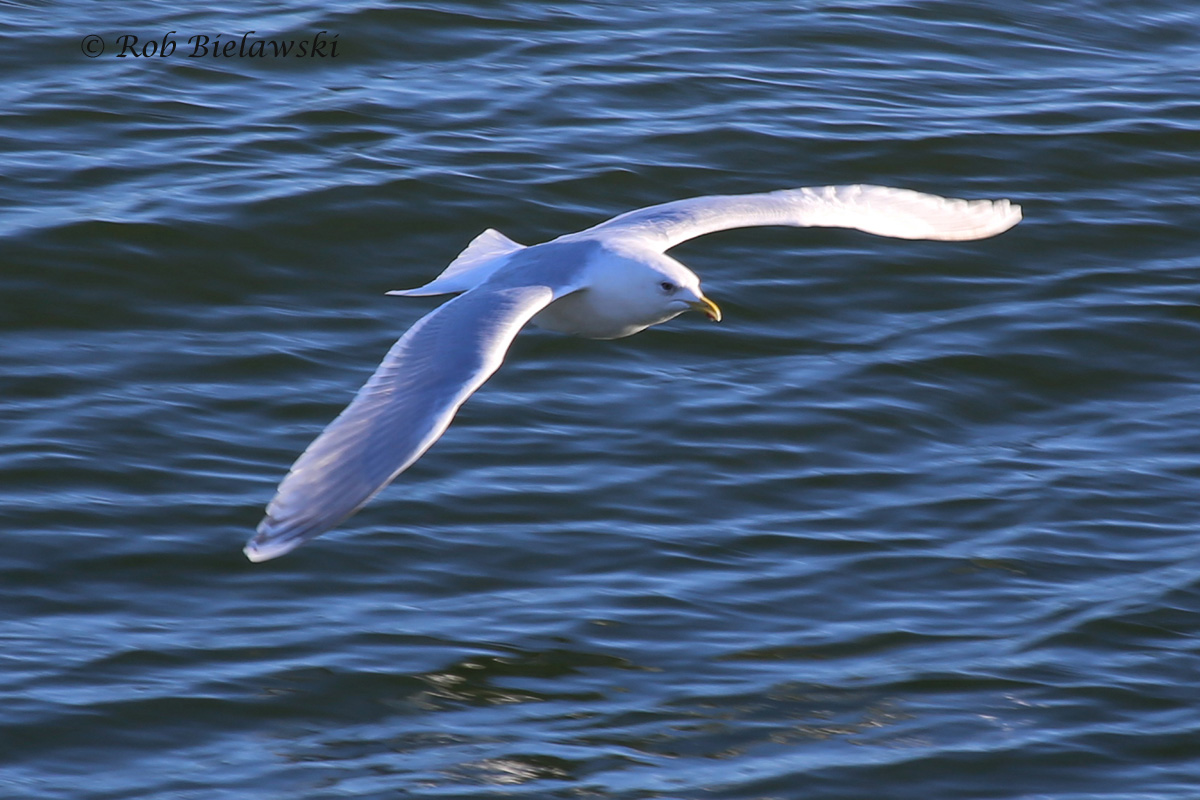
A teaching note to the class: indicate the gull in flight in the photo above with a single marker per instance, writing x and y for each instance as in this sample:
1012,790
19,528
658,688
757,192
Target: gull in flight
609,281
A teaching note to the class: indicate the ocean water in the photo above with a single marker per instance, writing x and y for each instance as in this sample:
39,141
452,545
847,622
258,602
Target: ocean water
917,520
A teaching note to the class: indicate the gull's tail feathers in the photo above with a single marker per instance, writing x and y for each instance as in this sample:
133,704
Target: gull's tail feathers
474,265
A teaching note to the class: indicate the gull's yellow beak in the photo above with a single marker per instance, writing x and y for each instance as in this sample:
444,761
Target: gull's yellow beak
707,307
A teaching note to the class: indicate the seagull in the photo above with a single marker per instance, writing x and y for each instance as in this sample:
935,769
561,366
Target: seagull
608,281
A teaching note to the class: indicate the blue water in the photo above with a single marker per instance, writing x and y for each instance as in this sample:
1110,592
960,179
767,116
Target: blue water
917,520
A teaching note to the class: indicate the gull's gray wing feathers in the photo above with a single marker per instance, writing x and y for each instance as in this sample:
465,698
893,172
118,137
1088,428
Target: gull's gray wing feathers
405,406
900,213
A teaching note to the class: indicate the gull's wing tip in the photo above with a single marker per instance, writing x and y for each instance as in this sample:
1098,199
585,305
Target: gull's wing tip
1008,214
905,213
270,543
258,554
1014,209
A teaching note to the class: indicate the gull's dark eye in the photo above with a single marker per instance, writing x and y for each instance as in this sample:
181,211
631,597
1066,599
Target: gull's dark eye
667,287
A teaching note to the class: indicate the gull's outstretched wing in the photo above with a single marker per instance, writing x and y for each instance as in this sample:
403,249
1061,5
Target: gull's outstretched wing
881,210
402,410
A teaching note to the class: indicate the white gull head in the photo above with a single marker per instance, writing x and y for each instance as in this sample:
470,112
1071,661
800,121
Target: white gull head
627,291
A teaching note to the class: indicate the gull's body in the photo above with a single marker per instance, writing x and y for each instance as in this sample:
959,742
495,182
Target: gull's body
608,281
